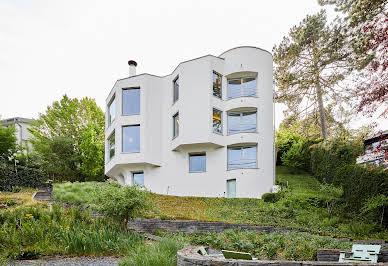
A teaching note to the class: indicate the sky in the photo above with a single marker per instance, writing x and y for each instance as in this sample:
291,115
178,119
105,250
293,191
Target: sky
81,47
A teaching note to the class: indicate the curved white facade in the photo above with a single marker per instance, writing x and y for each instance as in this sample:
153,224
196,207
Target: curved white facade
164,159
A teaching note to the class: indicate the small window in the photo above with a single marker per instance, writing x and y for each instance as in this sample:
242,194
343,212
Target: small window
131,138
176,89
112,111
217,85
242,157
111,145
240,87
197,163
217,121
231,188
131,101
239,122
138,179
175,125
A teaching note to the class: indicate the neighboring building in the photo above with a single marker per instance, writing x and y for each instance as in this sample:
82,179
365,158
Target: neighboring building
376,150
206,129
22,134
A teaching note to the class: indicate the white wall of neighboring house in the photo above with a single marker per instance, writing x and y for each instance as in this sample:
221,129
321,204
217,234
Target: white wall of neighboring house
164,159
23,136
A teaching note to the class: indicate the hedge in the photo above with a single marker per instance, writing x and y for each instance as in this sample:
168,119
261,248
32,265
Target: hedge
23,177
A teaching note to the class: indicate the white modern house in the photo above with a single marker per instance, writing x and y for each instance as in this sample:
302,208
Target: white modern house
23,136
204,130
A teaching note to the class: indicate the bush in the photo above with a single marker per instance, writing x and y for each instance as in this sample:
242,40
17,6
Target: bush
25,176
298,155
122,202
330,155
271,197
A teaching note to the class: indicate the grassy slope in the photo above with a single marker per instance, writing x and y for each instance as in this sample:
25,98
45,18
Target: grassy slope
20,199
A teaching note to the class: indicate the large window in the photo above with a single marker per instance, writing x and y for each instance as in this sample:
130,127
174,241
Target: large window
239,87
217,121
131,138
175,125
111,145
242,157
197,163
217,85
112,111
138,179
242,122
131,101
175,85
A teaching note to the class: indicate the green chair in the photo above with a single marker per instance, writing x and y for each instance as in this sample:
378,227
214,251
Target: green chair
361,253
228,254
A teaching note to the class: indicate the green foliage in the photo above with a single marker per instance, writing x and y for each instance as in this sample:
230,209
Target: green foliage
376,206
270,197
7,142
298,155
67,136
284,140
161,253
27,233
361,184
10,179
122,202
330,155
273,246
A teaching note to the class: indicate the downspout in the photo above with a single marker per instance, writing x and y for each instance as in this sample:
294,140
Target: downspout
274,130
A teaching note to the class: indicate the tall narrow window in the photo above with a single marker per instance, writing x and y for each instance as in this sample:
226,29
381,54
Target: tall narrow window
242,122
217,85
231,188
175,125
240,87
138,179
197,163
131,138
242,157
111,145
131,101
176,89
112,111
217,121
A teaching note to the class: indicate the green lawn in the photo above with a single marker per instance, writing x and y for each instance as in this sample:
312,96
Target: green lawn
303,207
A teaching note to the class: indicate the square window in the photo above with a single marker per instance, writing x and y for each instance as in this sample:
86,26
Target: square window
131,101
176,89
131,138
197,163
217,121
138,179
217,85
175,125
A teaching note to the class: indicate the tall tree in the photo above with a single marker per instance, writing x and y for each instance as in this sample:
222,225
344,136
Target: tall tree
63,136
310,63
7,141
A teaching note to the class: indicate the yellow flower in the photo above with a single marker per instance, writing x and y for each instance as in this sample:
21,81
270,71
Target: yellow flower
29,215
67,227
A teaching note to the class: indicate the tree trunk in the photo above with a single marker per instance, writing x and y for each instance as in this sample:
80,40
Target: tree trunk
321,110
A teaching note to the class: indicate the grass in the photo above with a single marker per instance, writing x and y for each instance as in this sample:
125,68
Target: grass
302,207
20,199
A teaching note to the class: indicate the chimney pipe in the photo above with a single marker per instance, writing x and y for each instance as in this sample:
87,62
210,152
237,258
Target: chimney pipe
132,67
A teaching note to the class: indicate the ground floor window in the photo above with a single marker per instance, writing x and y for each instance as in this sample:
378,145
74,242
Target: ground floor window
138,179
231,188
197,162
242,157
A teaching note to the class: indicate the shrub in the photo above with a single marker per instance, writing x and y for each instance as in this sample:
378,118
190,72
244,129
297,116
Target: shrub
330,155
271,197
25,176
298,155
284,140
122,202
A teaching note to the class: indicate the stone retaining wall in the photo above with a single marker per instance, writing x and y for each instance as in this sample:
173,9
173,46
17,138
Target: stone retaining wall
333,255
190,257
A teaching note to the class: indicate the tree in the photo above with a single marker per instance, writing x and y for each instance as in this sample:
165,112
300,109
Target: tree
7,141
310,63
67,135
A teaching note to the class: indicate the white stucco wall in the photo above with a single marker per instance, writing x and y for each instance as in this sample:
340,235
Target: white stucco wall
164,160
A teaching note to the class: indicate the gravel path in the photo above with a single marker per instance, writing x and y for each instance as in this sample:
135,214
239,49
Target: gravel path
75,261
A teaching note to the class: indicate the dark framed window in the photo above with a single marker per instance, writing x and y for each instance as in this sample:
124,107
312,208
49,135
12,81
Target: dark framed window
197,163
175,85
217,85
175,125
111,145
242,122
131,138
242,157
240,87
131,101
217,121
112,110
138,179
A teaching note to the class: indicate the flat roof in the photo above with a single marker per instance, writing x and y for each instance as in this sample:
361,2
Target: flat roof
14,120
